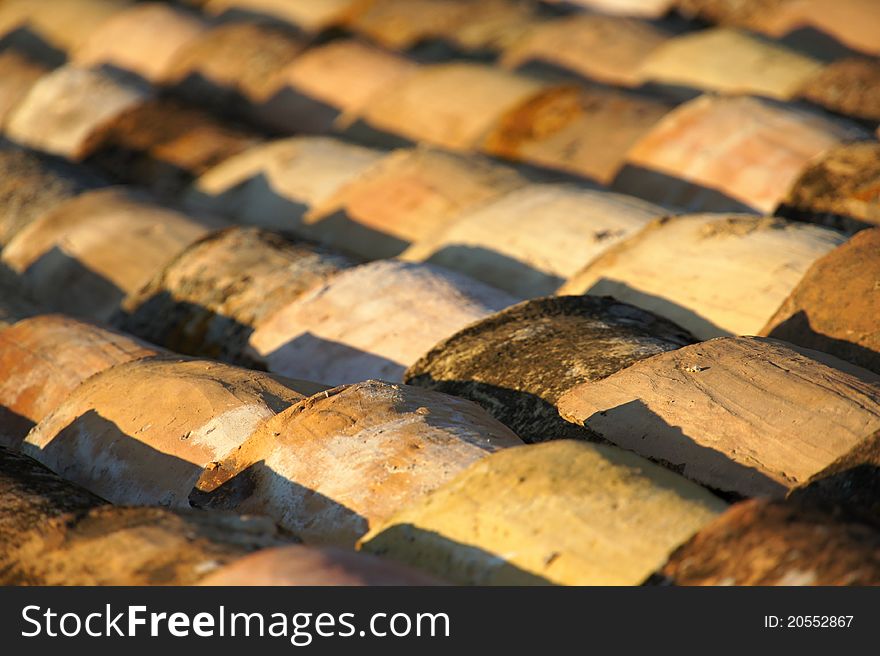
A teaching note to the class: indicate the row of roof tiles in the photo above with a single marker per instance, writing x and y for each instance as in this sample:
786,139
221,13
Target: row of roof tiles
138,425
72,252
433,481
346,85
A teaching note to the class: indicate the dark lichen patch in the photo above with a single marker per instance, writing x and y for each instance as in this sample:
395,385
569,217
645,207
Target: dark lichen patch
518,362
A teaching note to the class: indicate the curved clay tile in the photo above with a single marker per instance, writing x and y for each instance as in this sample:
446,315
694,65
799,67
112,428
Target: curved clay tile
519,362
405,197
143,39
471,25
565,512
56,533
849,485
608,49
585,131
341,461
849,86
30,491
328,86
451,105
529,240
836,305
18,74
748,415
840,188
85,255
59,24
764,542
135,547
371,321
492,26
854,23
274,184
713,274
729,61
66,109
728,154
306,15
141,432
210,298
44,358
164,145
728,12
644,8
230,66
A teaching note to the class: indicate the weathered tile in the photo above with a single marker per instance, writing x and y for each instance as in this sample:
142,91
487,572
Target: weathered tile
209,299
85,255
31,184
140,433
403,198
230,66
836,306
528,241
334,465
746,415
273,185
565,512
44,358
848,86
65,109
713,274
164,145
372,321
585,131
840,188
728,154
56,533
763,542
143,39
